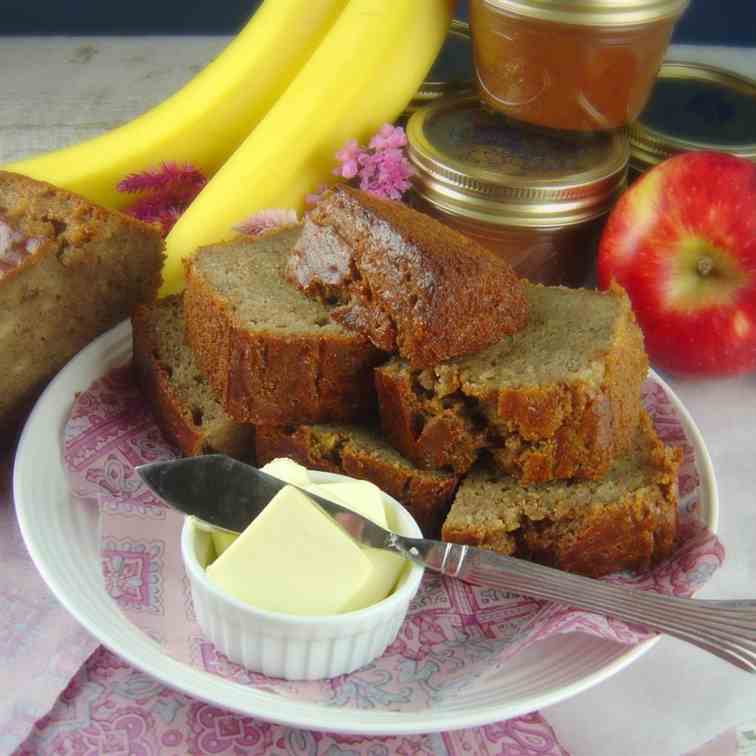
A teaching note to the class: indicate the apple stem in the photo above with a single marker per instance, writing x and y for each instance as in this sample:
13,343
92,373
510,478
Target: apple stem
705,265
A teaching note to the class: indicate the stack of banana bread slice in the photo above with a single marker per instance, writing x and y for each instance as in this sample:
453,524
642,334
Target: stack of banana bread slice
376,342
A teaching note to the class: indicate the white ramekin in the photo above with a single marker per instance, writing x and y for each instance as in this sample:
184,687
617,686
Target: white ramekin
294,647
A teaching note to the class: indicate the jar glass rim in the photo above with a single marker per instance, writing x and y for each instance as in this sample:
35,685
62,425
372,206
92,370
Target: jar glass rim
593,12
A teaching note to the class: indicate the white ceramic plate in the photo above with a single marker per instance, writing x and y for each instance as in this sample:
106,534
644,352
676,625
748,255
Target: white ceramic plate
62,537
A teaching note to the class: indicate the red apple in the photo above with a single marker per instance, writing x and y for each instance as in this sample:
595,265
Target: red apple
682,243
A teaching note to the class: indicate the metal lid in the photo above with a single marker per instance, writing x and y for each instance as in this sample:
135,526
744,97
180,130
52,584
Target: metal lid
479,165
695,107
593,12
452,72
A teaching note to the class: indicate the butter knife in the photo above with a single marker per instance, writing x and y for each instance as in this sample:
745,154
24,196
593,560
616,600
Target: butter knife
227,494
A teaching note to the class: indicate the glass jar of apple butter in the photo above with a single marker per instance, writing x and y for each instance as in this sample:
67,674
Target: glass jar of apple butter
536,198
563,64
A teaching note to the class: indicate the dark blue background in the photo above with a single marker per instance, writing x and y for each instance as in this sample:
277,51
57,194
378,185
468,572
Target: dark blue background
730,22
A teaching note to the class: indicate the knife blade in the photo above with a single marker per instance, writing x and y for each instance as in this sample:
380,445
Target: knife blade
224,493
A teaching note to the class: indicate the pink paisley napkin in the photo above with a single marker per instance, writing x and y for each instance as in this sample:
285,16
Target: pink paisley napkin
112,708
455,634
41,645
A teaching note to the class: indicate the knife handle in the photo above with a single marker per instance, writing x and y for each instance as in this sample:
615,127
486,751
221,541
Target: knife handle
726,629
446,558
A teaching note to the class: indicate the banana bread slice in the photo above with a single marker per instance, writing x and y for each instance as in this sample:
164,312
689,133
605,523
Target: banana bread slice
558,399
411,284
69,270
181,400
272,355
360,452
626,520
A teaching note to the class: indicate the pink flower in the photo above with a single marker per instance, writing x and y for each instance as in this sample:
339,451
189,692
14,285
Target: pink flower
381,169
388,136
266,220
348,156
386,173
166,191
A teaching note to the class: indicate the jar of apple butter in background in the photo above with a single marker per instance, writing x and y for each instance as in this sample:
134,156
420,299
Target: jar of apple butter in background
451,73
538,199
694,107
562,64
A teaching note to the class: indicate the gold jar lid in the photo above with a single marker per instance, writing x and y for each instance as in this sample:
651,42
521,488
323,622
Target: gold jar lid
452,72
479,165
695,107
594,12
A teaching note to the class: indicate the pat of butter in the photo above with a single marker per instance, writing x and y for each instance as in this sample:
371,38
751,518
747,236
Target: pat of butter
222,540
358,495
288,471
365,499
293,559
282,468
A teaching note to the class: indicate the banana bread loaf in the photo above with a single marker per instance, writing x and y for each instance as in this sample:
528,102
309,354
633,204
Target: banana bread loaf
558,399
360,452
627,520
69,270
411,284
272,355
183,405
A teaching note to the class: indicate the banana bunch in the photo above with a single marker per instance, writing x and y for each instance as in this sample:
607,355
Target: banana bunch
301,79
362,75
206,120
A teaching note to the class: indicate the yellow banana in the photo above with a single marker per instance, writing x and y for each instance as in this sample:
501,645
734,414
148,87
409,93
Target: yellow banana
206,120
361,76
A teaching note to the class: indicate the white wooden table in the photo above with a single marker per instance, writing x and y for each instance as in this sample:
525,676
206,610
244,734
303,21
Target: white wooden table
58,90
54,91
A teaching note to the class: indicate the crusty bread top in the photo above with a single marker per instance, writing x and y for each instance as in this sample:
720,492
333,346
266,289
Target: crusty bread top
569,334
412,284
249,276
61,222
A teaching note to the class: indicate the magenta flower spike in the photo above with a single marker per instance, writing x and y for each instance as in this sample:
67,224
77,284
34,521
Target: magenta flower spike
165,193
